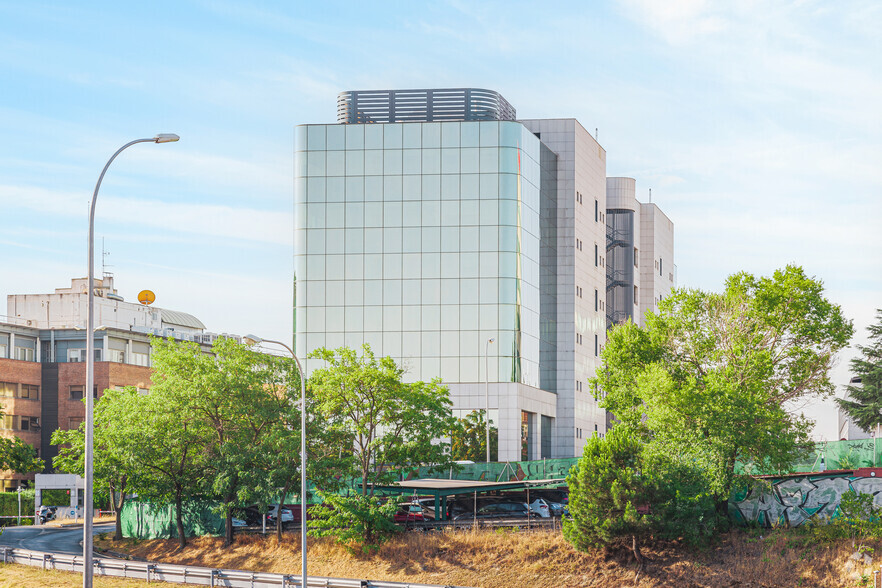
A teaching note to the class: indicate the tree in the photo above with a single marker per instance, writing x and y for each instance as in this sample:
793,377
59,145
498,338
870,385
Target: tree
622,493
864,401
391,424
469,438
359,523
169,435
236,395
114,457
606,489
328,467
718,377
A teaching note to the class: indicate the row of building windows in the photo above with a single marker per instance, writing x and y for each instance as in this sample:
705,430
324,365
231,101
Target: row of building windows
14,422
13,390
415,136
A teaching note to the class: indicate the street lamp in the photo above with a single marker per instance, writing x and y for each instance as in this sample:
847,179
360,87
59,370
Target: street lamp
253,340
90,362
487,392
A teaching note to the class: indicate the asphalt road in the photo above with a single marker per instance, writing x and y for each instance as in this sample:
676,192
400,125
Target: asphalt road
67,540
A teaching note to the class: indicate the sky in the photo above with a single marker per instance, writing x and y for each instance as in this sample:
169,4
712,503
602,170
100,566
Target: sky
756,124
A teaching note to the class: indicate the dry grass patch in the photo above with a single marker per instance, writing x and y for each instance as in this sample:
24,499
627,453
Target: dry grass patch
19,576
542,559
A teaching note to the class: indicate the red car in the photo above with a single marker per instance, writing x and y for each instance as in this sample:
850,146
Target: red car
409,513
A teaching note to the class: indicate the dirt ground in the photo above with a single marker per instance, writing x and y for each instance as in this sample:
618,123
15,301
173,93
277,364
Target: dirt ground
506,559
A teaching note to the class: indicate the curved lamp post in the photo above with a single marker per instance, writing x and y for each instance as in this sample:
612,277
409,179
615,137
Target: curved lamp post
254,340
90,363
487,392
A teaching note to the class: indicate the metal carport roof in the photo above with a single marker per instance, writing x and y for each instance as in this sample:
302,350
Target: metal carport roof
440,488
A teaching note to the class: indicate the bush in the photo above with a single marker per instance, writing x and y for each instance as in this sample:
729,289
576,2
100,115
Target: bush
620,493
359,523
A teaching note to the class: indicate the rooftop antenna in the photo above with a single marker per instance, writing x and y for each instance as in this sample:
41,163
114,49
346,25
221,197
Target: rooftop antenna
104,265
596,133
650,195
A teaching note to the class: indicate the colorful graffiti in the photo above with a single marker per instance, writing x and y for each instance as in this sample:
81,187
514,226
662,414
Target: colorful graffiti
796,499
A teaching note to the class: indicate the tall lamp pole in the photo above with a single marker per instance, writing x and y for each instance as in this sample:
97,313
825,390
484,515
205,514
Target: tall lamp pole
90,363
253,340
487,392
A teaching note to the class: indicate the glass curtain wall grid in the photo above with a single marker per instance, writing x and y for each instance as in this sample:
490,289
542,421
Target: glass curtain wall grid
619,266
423,240
448,104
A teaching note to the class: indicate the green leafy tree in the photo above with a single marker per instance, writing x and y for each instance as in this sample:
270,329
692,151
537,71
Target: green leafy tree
469,438
359,523
864,401
237,395
328,467
391,424
715,377
170,435
114,457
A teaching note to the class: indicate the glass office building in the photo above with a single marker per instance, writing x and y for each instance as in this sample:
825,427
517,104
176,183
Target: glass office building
422,239
428,237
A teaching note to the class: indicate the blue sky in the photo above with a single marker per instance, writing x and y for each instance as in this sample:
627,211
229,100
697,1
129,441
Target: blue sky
756,124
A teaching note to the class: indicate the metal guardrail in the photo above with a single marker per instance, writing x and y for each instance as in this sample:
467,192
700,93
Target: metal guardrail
159,572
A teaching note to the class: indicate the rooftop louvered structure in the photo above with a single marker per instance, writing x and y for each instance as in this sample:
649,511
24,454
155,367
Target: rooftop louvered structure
448,104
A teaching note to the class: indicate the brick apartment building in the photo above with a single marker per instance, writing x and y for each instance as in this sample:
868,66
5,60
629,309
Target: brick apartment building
43,354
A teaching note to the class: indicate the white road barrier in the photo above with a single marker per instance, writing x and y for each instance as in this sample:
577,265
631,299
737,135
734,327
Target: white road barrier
159,572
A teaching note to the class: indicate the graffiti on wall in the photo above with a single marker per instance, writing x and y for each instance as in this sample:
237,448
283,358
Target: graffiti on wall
793,501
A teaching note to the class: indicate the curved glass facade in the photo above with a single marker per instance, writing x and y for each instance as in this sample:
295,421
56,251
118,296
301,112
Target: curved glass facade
423,240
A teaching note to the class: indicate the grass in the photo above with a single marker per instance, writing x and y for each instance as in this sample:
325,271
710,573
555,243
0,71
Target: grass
20,576
488,559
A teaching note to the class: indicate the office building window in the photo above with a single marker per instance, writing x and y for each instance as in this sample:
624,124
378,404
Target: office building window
76,392
30,391
596,211
596,346
24,354
596,255
596,300
660,266
635,257
636,301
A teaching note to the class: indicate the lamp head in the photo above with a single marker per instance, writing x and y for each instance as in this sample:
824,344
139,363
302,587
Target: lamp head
491,340
166,138
252,339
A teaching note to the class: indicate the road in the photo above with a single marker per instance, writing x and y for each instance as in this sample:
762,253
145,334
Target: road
67,540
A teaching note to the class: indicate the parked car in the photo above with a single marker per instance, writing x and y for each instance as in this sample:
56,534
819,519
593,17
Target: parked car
287,515
497,510
541,507
409,513
239,522
557,509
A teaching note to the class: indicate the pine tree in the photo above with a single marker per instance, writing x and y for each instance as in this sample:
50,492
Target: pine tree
864,401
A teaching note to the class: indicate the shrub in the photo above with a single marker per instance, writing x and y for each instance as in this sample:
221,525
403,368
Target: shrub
620,493
359,523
